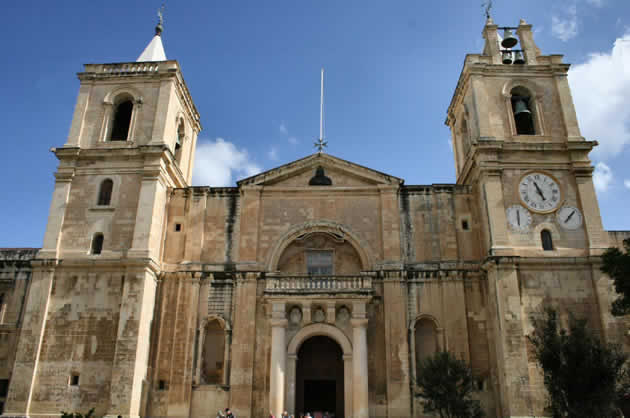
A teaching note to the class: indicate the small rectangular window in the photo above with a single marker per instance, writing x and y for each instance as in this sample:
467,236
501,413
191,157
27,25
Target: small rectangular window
162,385
74,379
178,227
319,262
465,225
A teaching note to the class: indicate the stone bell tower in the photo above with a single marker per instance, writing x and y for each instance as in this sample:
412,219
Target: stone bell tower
517,142
89,311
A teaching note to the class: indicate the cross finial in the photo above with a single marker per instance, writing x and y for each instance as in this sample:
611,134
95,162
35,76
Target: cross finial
160,26
487,5
320,144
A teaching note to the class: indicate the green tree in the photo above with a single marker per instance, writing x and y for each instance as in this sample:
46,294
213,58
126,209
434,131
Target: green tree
616,264
446,384
584,377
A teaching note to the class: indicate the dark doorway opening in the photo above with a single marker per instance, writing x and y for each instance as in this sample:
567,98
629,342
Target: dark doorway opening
320,395
319,378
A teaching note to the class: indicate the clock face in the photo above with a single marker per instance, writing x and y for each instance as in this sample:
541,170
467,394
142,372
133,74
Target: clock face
539,192
569,217
519,218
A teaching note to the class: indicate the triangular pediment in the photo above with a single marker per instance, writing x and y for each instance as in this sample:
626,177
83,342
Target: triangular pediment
341,173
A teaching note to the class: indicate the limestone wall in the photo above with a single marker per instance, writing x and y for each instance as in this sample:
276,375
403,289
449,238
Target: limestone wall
80,339
15,277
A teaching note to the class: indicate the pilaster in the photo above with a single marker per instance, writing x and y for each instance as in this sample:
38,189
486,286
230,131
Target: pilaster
24,375
243,345
131,358
396,346
56,215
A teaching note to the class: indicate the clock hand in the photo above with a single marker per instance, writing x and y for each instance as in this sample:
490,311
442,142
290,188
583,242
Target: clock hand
539,191
518,218
569,217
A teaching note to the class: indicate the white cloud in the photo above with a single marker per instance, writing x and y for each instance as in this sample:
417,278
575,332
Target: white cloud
600,89
283,128
218,163
566,27
596,3
602,177
293,140
626,183
273,154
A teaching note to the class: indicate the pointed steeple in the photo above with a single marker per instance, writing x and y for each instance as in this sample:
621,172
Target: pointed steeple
155,50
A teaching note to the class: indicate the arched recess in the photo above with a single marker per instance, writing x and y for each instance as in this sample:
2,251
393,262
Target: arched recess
536,94
110,101
296,342
201,343
322,226
440,339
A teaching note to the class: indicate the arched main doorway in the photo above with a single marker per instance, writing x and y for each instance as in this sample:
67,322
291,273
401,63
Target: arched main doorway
320,377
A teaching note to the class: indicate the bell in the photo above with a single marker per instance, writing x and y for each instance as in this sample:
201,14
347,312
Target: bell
520,107
518,59
507,57
508,39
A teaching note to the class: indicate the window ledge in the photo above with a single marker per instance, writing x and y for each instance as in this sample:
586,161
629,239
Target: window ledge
102,208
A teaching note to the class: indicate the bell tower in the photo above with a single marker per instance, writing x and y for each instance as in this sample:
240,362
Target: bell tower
132,136
93,289
517,143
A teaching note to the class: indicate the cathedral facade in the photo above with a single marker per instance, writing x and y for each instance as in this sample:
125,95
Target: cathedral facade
319,285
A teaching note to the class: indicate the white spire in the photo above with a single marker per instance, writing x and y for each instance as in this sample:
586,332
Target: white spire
155,50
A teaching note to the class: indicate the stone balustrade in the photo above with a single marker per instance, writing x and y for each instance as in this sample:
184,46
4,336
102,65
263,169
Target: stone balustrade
318,284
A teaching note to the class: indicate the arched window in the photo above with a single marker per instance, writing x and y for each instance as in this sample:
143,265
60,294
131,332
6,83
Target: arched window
97,243
425,341
122,121
522,109
179,142
547,242
212,367
105,192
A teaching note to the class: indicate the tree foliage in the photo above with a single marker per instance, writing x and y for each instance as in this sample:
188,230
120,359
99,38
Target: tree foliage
616,264
446,384
584,377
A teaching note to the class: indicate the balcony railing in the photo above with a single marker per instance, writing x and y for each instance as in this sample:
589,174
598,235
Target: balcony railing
318,284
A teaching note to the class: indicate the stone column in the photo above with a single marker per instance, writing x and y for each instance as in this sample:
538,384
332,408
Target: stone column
277,375
359,368
290,384
347,389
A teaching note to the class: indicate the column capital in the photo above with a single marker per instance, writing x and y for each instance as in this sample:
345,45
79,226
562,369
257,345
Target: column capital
359,322
279,323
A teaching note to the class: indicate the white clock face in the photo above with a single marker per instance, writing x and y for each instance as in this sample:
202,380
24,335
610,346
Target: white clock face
519,218
569,217
539,192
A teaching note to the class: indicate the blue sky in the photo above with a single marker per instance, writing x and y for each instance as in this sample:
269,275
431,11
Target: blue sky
253,70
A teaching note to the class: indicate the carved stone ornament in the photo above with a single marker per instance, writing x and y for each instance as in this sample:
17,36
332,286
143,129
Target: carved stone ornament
319,315
295,316
343,314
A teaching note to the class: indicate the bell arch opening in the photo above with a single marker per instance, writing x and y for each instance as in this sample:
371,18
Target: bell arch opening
320,377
